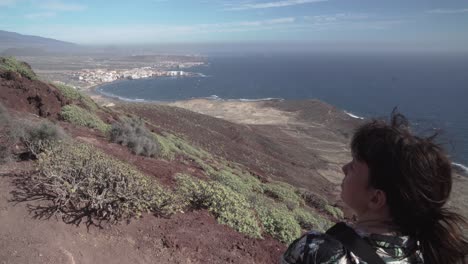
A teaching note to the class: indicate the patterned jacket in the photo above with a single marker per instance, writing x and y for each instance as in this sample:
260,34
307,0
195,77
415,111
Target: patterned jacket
324,249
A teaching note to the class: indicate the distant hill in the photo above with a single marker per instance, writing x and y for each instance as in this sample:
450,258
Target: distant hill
12,43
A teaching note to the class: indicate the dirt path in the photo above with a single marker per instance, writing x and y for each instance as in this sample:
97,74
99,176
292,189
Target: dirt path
192,237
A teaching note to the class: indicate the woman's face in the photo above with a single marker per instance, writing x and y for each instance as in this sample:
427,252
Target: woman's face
355,189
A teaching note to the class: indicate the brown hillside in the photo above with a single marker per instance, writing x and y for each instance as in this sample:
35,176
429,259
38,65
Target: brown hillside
22,94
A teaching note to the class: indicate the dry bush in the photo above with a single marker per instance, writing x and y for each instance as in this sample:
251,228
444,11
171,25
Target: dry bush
313,200
80,182
36,136
131,132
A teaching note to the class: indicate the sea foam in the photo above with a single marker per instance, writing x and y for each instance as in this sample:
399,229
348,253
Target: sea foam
217,98
461,166
353,115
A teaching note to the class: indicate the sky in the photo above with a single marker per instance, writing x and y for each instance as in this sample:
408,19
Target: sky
403,23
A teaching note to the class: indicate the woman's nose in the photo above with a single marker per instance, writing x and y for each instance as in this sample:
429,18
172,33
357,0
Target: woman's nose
345,168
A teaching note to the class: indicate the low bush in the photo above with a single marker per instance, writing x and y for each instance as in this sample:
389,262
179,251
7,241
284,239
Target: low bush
82,182
79,116
334,211
172,145
283,192
277,220
314,200
11,64
168,149
236,182
37,137
305,219
131,132
229,207
73,94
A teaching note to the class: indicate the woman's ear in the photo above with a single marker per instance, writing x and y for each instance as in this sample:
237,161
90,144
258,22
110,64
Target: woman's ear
378,199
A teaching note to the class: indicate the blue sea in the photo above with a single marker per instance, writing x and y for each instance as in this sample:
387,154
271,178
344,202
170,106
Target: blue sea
431,89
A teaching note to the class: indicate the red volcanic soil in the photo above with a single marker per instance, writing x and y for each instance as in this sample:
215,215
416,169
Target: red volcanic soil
191,237
20,93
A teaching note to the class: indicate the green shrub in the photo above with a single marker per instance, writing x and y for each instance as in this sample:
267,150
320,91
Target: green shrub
236,182
305,219
11,64
79,116
131,132
73,94
334,211
207,168
283,192
277,220
167,147
228,207
37,137
172,145
79,180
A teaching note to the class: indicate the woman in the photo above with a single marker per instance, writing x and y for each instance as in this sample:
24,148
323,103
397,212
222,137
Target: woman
397,184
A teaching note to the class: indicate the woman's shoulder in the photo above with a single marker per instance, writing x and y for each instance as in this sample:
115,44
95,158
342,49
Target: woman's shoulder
322,248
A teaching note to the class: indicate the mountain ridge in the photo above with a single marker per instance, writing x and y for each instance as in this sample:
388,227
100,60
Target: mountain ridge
12,43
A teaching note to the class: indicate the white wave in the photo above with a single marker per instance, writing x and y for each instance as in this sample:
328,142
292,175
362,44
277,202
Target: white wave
258,100
121,98
353,115
461,166
214,97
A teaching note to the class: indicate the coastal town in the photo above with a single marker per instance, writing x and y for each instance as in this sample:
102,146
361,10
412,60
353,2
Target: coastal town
85,72
93,77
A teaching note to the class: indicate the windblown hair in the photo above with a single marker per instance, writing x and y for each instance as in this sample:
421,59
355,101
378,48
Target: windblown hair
415,174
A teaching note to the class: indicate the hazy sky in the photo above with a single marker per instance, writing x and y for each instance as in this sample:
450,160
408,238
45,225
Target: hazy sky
409,23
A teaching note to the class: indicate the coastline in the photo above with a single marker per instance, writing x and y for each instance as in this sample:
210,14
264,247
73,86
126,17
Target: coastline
100,98
215,102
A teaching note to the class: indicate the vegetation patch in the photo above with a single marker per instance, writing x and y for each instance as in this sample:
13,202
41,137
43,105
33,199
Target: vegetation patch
172,145
334,211
79,116
75,95
81,182
314,200
229,207
37,137
285,193
131,132
277,220
11,64
240,183
305,219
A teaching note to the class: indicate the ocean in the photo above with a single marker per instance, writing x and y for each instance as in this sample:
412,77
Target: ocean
430,89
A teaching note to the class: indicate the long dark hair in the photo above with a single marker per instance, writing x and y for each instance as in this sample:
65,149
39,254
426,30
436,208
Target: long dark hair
416,176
